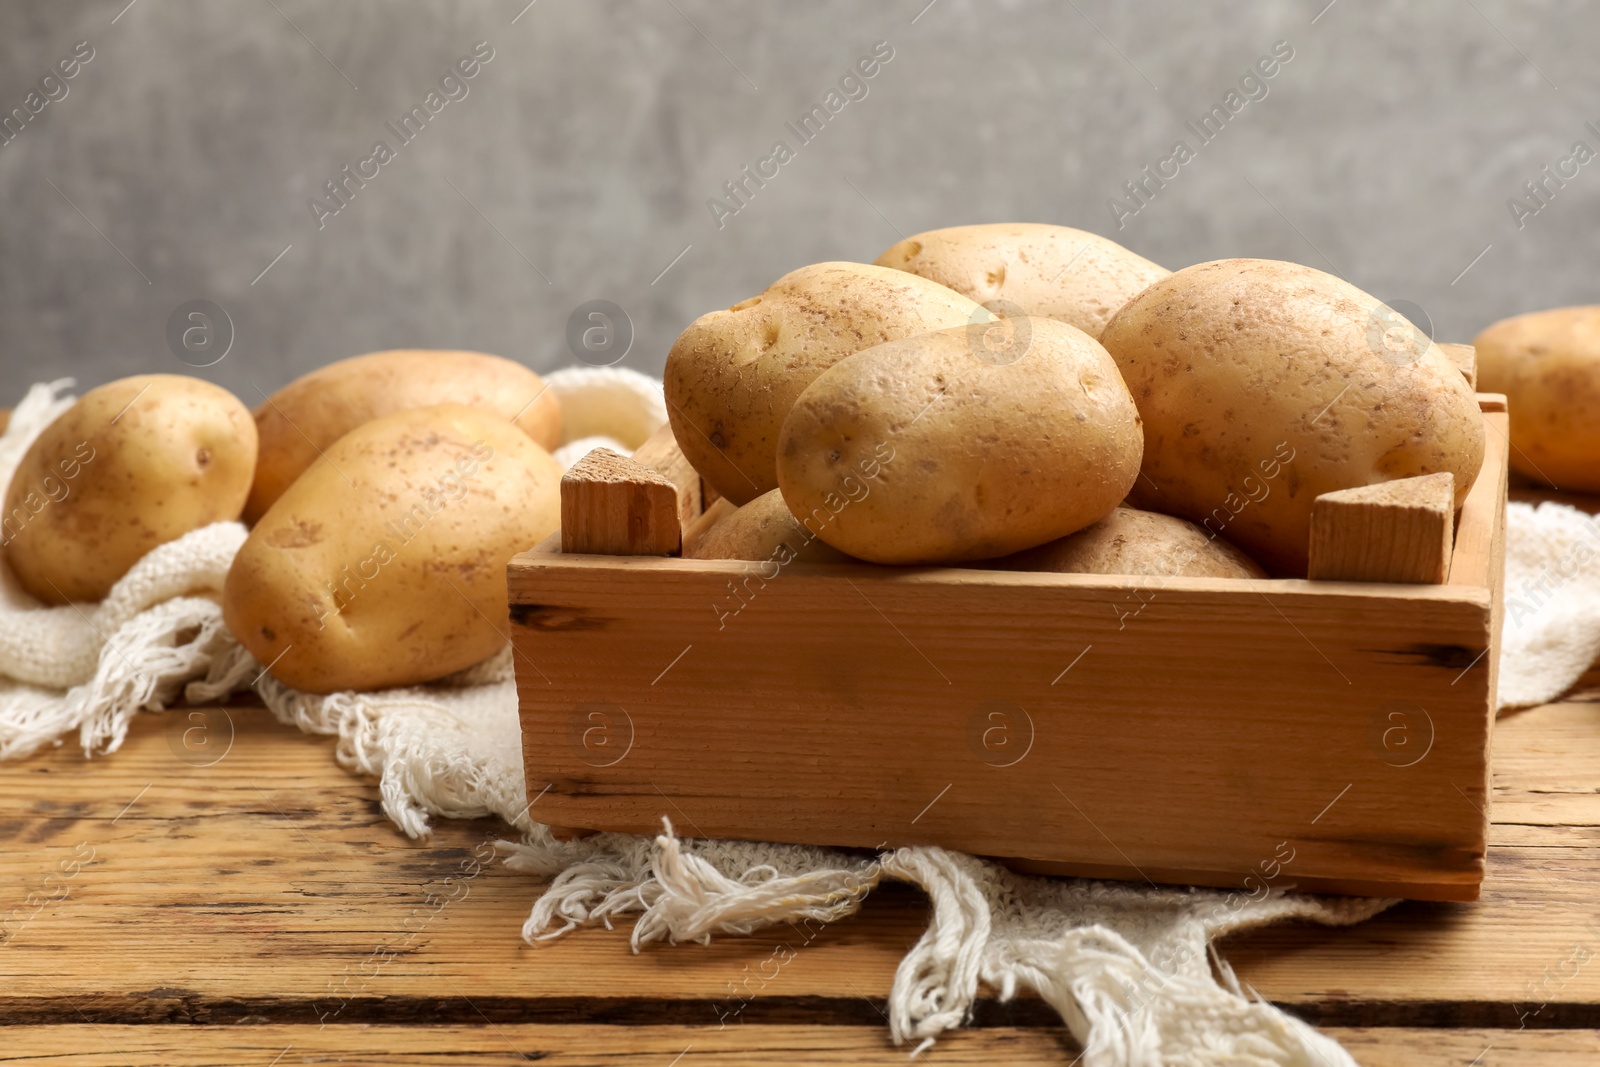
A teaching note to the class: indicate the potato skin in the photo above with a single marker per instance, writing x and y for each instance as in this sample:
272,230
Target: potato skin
135,463
315,410
763,529
918,451
1130,541
1548,365
732,375
398,575
1031,269
1265,384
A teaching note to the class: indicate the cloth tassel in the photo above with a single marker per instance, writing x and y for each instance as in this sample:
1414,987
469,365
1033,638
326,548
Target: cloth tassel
146,663
1123,1006
936,983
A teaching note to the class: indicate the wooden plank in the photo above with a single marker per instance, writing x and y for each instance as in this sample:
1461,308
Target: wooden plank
1547,764
1479,559
660,451
1398,531
267,887
894,672
732,1046
611,505
481,1046
1379,1047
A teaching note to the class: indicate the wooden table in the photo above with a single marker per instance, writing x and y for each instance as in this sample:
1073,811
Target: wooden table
260,910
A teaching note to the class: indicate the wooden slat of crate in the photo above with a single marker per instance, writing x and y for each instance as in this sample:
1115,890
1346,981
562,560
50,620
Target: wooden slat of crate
739,1046
1274,692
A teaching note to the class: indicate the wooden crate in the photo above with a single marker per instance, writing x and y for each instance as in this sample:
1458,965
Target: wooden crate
1331,735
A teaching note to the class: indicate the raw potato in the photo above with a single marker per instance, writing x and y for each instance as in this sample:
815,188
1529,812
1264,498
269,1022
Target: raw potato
705,522
1264,385
132,465
732,375
1129,541
963,444
1025,268
398,575
300,421
1548,365
761,530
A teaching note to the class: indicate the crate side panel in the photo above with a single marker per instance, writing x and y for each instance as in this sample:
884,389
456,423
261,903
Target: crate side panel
1147,728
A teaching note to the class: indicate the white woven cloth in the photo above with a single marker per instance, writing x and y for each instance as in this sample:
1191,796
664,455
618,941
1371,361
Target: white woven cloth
1552,601
1131,969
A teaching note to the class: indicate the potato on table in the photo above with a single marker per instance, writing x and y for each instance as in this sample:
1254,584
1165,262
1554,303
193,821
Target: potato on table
385,563
1030,269
300,421
963,444
1264,385
1130,541
732,375
1548,365
132,465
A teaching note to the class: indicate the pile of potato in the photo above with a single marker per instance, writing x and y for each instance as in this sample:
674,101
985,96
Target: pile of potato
387,494
1036,397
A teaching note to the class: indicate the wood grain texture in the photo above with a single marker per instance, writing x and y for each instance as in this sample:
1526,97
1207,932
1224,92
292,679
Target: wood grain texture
739,1046
660,452
267,888
1480,551
857,706
509,1043
611,505
1375,1047
1479,557
1399,531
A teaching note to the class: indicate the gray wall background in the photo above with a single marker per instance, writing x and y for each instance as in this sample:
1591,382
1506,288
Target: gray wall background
579,164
